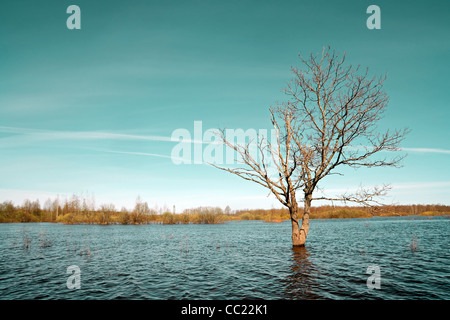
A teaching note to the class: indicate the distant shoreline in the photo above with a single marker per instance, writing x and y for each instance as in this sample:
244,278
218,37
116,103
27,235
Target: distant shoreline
220,219
77,210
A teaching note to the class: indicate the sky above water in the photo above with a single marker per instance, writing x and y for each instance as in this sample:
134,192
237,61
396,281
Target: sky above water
91,111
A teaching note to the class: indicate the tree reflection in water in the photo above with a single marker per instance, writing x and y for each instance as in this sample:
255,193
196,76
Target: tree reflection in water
302,282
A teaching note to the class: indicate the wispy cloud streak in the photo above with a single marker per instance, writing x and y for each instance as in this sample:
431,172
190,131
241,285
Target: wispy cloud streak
23,135
396,186
136,153
422,185
426,150
78,135
416,150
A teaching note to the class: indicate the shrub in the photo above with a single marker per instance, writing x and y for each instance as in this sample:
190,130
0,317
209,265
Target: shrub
168,218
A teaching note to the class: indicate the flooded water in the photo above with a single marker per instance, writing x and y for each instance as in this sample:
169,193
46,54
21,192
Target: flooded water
235,260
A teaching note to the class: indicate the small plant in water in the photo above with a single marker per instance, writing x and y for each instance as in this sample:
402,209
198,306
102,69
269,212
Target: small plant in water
184,247
86,250
414,243
44,242
26,239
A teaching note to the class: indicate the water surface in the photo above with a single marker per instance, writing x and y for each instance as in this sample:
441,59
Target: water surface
235,260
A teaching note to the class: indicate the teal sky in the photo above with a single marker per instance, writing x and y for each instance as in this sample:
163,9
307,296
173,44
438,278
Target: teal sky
91,111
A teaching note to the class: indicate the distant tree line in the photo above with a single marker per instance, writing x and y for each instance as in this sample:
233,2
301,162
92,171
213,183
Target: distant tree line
82,210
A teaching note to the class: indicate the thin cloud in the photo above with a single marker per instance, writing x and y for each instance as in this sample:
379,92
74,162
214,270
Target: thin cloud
137,153
418,150
416,185
426,150
78,135
25,134
17,196
395,186
22,135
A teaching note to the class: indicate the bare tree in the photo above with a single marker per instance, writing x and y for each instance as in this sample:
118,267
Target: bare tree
328,121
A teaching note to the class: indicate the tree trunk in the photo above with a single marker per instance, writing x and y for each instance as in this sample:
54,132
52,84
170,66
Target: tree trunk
299,234
296,237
